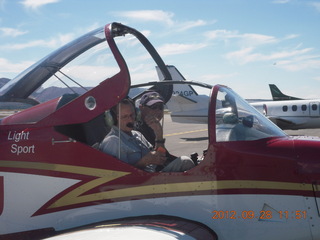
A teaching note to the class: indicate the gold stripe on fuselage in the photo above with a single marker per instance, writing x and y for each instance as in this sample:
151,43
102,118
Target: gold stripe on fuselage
78,196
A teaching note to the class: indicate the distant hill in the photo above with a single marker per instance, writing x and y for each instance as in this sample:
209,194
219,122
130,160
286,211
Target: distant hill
48,94
54,92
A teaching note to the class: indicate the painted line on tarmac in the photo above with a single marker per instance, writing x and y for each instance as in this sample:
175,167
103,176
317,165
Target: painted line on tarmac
174,134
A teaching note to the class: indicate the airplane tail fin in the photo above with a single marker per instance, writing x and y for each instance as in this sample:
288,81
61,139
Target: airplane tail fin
277,95
184,90
185,104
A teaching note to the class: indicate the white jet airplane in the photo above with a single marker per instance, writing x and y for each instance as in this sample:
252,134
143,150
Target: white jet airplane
293,114
187,106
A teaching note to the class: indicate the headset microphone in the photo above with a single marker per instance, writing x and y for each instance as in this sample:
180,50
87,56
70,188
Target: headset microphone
130,125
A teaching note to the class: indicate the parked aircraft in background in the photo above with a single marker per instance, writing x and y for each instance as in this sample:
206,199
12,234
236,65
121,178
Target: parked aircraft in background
290,112
187,106
277,95
293,114
254,182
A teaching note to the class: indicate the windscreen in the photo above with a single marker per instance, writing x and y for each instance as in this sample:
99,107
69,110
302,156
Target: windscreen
80,75
237,120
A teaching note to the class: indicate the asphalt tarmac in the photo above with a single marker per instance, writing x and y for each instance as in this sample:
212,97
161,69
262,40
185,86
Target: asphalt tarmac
186,138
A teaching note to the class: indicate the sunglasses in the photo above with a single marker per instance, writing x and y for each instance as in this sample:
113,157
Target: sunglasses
156,106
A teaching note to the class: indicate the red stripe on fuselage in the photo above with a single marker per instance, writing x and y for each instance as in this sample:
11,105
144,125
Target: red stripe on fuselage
1,195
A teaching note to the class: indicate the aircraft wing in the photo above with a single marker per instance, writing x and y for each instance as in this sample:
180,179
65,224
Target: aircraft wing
120,232
282,123
154,227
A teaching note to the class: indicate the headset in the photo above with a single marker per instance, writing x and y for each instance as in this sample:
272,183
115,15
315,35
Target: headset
111,114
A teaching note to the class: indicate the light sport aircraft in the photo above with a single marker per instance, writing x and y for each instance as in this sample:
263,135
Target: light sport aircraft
254,182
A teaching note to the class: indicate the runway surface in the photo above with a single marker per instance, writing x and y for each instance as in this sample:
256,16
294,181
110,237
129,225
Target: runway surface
185,138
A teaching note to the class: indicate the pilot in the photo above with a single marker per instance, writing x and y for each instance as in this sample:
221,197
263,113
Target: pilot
132,147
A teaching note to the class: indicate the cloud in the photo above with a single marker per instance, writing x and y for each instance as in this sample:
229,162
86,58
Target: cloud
35,4
281,1
162,17
11,32
293,60
251,47
148,15
221,34
2,3
51,43
316,5
246,39
317,78
299,63
8,67
177,48
191,24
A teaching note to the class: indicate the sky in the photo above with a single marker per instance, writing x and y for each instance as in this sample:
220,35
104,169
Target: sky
244,44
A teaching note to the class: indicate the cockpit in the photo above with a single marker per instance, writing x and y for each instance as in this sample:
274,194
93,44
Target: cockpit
77,84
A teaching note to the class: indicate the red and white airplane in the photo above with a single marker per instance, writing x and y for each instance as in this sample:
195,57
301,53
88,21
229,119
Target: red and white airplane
254,182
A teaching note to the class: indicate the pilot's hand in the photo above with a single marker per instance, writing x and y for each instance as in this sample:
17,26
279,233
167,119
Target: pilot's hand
154,124
158,158
153,157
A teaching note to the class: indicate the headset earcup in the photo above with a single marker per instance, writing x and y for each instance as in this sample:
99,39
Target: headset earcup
138,114
109,118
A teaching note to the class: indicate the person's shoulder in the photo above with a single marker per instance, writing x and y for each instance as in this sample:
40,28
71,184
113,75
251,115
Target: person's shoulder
114,131
112,135
109,142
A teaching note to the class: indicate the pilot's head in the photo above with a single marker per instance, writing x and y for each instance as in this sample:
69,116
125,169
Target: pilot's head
151,103
125,115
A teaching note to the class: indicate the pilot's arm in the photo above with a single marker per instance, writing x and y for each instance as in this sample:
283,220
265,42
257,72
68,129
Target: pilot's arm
155,125
130,155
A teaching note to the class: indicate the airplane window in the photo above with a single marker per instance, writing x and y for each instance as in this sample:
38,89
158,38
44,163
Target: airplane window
314,107
236,120
304,107
294,108
285,108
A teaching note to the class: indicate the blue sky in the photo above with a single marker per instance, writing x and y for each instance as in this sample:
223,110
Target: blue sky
244,44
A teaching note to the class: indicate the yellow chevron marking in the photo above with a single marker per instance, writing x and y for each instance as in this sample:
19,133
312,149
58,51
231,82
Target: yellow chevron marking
103,176
74,196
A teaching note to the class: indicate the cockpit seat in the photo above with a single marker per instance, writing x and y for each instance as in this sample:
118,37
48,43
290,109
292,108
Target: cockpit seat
95,130
91,132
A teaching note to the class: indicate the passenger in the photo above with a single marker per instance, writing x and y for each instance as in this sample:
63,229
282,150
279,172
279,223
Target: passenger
132,147
151,108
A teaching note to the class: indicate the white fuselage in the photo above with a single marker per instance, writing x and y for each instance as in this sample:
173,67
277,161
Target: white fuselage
293,114
231,216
